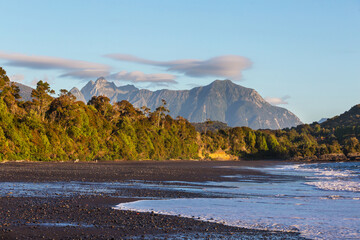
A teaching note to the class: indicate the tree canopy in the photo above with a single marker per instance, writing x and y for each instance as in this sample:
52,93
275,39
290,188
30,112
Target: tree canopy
61,128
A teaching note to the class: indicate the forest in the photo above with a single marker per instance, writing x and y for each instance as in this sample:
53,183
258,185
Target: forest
60,128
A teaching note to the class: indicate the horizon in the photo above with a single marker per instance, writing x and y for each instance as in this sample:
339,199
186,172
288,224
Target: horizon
301,56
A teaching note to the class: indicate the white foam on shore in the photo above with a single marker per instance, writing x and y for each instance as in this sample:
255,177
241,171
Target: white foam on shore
337,185
219,210
314,220
297,205
328,179
318,171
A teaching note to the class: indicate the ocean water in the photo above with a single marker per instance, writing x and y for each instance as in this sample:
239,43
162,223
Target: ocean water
321,201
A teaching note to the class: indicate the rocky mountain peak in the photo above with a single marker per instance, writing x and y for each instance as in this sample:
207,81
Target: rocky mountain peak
225,81
74,90
128,88
100,80
228,84
223,84
77,93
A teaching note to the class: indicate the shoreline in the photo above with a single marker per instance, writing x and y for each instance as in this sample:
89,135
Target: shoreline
310,159
91,215
186,170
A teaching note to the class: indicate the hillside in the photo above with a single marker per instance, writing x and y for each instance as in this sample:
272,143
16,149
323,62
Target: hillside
349,118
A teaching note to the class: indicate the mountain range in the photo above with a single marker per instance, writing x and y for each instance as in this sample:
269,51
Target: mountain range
222,100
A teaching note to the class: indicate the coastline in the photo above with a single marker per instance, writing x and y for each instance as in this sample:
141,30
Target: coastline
90,215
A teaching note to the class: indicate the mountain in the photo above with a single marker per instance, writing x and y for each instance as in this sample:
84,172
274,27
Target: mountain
222,100
25,92
79,96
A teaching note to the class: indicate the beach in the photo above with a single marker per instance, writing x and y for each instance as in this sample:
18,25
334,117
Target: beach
74,201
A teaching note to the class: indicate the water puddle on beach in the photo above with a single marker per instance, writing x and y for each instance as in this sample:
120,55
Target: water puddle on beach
321,201
119,189
62,224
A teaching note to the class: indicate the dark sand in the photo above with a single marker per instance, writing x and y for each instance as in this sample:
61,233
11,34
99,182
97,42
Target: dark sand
70,214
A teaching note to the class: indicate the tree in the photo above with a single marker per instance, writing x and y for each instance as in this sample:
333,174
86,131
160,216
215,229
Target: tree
126,109
273,144
4,79
208,122
41,97
261,144
160,113
251,139
9,91
352,145
146,111
60,108
101,103
66,97
7,87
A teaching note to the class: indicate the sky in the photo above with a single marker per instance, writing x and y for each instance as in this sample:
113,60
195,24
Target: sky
303,55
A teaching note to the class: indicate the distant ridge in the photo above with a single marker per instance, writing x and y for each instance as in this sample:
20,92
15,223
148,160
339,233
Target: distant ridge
222,100
349,118
322,120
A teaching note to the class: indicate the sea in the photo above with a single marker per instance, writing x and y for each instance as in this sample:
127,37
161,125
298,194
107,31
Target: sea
318,200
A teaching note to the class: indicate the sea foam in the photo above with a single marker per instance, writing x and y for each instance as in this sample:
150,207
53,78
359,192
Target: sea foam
318,203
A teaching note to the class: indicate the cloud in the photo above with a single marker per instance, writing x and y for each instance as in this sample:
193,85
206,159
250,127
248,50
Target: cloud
34,82
277,101
73,68
228,66
86,74
81,69
45,78
138,77
17,78
45,62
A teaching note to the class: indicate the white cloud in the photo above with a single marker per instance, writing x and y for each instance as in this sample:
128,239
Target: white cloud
277,101
34,82
45,62
73,68
45,78
138,76
228,66
86,74
17,77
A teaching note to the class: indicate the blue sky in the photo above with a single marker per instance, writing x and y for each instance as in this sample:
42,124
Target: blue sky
303,55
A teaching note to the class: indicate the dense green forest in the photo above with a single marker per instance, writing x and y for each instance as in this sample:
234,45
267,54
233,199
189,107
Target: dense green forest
61,128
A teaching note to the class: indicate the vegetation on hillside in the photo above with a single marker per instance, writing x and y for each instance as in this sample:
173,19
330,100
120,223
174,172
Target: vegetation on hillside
61,128
330,140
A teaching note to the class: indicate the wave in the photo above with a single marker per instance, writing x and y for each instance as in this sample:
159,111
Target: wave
329,176
337,185
320,170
